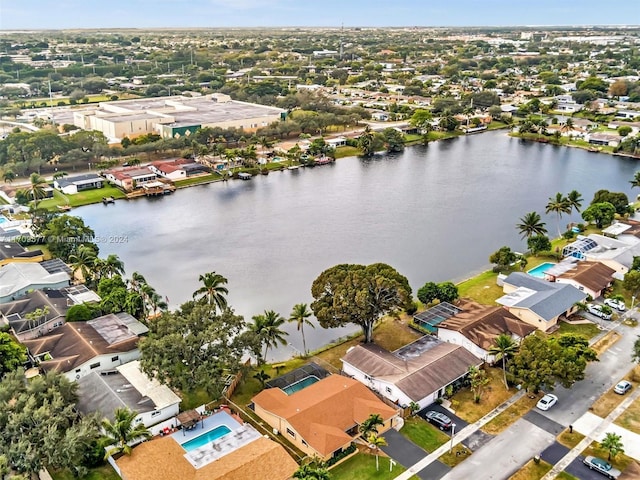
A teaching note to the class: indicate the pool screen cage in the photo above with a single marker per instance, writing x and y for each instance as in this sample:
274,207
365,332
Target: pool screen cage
578,248
298,374
430,319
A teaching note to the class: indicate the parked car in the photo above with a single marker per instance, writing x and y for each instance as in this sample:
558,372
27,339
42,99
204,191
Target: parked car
615,304
622,387
440,420
599,465
596,310
546,402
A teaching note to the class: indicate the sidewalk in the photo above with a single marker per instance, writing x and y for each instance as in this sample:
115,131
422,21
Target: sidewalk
594,435
459,437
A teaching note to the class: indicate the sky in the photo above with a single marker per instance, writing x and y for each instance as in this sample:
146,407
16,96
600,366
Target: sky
63,14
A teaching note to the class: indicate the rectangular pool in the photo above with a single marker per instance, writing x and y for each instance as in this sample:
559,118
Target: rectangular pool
206,438
300,384
538,271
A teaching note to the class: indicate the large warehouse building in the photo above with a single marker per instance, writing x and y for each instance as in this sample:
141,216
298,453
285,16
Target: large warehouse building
175,116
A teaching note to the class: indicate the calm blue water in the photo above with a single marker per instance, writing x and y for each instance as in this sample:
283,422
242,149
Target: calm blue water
206,438
538,272
299,385
435,213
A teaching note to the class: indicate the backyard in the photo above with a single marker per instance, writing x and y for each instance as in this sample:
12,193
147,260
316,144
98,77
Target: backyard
81,198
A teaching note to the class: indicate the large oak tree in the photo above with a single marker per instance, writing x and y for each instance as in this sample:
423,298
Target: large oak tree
359,294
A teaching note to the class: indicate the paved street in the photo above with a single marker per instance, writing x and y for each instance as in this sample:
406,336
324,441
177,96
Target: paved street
504,454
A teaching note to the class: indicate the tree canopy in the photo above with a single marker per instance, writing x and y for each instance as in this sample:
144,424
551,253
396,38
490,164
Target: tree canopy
196,347
542,362
359,294
12,354
39,426
601,213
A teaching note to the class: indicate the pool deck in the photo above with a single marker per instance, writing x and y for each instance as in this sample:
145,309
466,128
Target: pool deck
240,435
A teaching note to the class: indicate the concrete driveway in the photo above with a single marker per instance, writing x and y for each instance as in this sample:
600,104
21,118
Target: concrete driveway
581,471
460,424
407,453
504,454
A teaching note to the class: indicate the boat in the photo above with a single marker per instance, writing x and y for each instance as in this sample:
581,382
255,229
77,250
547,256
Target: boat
244,176
107,200
324,160
64,208
293,167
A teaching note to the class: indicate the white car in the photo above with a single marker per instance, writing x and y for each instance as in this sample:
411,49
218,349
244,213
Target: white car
546,402
622,387
615,304
596,310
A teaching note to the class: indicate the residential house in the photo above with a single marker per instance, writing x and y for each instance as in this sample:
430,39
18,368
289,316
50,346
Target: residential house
177,169
78,183
418,372
322,419
129,178
16,279
604,139
616,253
127,386
16,313
477,326
163,458
11,252
592,278
79,348
538,302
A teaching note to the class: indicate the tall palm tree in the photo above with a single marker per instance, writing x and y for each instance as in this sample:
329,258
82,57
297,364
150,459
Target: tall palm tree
213,290
122,431
503,347
575,200
636,180
267,327
83,261
366,142
112,265
375,442
300,314
36,187
559,205
531,224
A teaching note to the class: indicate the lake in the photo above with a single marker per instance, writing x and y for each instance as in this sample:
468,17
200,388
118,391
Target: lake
433,212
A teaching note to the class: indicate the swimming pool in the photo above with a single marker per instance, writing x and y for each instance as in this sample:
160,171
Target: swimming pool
3,219
206,438
300,384
538,272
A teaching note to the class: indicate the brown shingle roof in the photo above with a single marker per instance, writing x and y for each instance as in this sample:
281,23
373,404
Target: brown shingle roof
418,377
73,344
595,276
322,413
163,459
631,472
482,324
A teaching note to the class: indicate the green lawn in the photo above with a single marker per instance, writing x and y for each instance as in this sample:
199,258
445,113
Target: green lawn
481,288
363,466
196,180
423,434
587,330
532,471
347,151
565,476
99,473
82,198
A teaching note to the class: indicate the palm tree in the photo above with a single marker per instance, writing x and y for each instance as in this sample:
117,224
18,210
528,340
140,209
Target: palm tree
311,472
370,425
36,187
213,290
267,327
83,260
531,224
559,204
366,142
9,176
122,431
375,442
300,314
112,265
636,180
575,200
613,444
503,347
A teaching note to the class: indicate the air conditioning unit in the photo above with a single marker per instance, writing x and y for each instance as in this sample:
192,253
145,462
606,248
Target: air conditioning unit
276,432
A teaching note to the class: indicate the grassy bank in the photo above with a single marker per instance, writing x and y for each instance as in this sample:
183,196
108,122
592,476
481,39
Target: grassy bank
81,198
